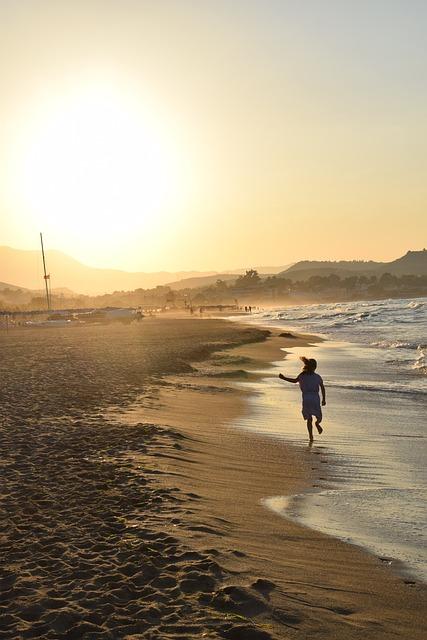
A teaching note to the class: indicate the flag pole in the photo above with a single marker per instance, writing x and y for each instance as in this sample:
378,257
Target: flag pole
46,275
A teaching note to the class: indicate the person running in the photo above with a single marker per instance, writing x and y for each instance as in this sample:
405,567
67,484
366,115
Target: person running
310,383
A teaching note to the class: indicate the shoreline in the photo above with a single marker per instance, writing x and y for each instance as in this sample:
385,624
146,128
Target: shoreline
322,509
195,401
132,506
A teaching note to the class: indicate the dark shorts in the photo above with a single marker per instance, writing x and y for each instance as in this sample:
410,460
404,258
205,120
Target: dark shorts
311,405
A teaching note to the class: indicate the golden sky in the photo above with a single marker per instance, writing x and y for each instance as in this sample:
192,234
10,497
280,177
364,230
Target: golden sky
188,134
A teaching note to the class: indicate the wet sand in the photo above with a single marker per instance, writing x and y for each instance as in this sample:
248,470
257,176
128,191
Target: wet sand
131,509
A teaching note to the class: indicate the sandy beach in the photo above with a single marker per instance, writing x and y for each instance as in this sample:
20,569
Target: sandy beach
131,508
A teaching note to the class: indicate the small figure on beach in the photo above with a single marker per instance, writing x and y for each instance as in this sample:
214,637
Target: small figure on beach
310,382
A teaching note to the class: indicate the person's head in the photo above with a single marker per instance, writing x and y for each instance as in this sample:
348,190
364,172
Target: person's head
310,364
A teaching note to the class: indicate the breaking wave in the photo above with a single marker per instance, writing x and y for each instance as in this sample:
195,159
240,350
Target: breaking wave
397,326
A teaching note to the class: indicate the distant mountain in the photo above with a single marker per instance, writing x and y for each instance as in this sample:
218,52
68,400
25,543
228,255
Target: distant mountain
307,268
11,287
412,263
201,281
265,271
205,281
26,269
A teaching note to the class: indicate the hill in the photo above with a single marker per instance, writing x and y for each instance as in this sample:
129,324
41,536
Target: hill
201,281
233,274
304,269
25,268
262,270
412,263
11,287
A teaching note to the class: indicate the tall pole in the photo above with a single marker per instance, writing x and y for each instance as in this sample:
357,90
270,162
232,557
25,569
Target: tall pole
46,275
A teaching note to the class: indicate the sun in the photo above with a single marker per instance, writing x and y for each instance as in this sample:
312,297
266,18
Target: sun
99,166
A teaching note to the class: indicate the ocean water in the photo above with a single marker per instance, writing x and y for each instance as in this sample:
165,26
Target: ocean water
374,365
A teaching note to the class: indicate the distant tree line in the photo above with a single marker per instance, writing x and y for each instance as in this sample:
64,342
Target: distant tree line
250,287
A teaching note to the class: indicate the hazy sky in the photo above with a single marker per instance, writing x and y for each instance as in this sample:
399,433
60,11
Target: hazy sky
199,134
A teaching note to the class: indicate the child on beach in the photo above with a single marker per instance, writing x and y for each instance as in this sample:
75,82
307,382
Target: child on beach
309,383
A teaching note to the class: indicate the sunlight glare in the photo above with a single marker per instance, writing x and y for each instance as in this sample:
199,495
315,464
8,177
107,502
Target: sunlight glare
100,166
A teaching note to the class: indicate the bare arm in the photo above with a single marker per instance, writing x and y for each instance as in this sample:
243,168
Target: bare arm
322,389
282,377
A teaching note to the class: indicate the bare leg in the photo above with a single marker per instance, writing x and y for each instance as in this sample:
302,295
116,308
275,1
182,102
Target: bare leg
318,427
310,428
